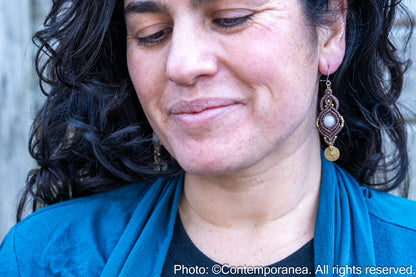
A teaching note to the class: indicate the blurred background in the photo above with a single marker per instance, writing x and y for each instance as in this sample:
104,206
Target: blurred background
20,98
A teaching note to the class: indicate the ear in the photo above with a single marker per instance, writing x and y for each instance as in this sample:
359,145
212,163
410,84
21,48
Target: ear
332,40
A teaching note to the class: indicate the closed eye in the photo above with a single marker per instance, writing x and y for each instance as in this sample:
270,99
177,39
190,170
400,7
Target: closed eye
227,23
221,23
156,38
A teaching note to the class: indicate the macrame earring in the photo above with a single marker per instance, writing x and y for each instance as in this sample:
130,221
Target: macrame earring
329,122
157,145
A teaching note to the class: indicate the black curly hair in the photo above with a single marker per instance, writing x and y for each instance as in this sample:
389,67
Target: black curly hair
91,134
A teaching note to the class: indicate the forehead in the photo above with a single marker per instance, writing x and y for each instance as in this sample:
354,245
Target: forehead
156,6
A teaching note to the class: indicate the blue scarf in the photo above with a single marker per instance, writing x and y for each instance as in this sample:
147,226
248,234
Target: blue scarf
343,237
342,230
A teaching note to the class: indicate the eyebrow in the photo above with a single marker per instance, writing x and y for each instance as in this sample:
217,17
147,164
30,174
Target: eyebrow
156,7
198,3
145,7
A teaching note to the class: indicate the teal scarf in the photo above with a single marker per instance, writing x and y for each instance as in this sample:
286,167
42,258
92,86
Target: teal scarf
342,230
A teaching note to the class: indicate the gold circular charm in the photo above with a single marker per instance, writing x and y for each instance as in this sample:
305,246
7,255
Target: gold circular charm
331,153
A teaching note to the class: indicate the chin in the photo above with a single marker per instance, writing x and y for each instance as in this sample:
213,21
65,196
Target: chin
204,170
211,167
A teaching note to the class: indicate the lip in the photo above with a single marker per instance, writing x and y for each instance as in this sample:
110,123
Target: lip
200,112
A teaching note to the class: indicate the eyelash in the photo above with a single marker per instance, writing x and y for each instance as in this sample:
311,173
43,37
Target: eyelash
222,23
228,23
156,38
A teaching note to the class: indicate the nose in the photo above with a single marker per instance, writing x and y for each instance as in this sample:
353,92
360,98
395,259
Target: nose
190,56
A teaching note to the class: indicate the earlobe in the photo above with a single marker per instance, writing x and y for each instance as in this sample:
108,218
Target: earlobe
332,41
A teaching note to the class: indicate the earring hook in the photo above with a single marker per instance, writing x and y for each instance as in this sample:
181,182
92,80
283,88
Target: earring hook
327,81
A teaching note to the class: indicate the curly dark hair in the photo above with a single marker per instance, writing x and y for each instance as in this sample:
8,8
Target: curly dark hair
91,134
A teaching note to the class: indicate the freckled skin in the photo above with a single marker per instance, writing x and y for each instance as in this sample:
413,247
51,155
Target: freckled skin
269,64
253,171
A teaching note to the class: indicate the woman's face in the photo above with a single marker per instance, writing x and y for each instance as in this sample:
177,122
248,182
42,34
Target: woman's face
225,84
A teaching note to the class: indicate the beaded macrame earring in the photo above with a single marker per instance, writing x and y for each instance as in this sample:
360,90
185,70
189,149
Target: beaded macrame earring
157,145
329,122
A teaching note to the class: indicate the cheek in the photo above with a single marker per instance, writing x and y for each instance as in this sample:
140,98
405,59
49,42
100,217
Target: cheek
136,71
147,77
283,72
274,52
277,64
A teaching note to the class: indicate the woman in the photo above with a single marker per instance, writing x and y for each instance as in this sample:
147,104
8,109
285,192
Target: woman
227,93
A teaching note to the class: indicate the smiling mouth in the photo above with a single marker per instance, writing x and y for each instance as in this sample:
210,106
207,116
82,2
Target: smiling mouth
200,112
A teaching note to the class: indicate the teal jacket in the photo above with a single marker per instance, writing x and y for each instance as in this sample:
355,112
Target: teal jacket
127,232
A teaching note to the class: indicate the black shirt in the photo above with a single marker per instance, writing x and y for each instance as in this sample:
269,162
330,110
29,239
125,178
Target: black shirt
184,259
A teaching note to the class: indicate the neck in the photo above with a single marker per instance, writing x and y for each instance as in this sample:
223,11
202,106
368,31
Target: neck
285,189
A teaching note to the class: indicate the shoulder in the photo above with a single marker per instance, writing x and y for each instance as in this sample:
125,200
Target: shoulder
390,209
85,208
392,221
96,211
73,233
383,207
393,225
